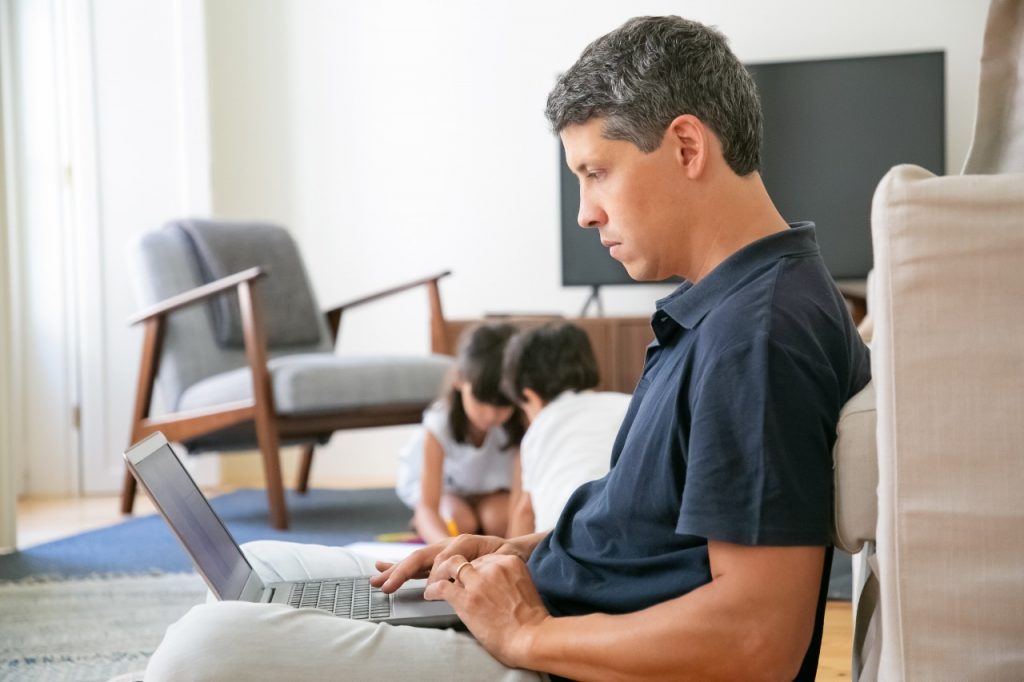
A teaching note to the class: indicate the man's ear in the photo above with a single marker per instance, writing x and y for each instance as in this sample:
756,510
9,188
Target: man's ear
691,142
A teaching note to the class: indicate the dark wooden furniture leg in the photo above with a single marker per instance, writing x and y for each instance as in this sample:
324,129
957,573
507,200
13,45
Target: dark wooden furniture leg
148,368
267,434
305,465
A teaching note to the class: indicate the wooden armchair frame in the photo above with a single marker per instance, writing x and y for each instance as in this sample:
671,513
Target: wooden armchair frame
270,427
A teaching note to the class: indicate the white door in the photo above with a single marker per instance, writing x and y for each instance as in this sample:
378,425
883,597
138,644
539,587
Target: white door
108,102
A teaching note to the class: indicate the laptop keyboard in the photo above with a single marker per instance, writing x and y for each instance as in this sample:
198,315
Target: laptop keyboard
348,598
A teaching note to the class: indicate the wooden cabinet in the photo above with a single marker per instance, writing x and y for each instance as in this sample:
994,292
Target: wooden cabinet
619,343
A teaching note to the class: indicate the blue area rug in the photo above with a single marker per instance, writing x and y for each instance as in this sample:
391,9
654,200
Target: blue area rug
146,544
325,517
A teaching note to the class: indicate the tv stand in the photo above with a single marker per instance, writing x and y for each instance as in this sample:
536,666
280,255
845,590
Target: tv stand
595,298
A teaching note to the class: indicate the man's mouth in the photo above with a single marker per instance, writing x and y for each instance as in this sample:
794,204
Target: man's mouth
612,246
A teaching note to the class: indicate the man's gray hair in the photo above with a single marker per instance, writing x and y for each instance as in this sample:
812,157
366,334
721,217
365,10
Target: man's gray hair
644,74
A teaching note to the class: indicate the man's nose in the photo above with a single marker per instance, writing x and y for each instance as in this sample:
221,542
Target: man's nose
590,215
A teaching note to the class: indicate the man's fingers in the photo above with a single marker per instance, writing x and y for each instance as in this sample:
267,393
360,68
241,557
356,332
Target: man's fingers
398,574
446,554
440,590
440,572
394,575
455,568
385,568
463,546
448,579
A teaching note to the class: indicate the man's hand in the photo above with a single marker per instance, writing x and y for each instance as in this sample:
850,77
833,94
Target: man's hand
495,598
423,562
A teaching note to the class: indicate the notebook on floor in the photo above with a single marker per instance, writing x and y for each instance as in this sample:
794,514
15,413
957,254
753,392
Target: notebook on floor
227,572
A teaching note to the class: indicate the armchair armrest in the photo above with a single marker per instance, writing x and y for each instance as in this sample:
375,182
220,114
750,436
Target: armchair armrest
386,292
438,339
198,294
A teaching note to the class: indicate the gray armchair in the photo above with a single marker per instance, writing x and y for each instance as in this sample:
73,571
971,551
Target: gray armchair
245,359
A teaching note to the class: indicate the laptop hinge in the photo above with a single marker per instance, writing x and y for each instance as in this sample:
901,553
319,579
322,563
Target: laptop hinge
253,590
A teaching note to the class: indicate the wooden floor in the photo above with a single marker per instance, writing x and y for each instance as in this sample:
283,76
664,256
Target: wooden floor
43,520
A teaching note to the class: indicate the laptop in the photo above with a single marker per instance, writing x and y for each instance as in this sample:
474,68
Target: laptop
217,557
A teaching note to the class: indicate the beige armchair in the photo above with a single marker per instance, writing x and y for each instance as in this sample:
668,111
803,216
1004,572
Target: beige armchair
943,595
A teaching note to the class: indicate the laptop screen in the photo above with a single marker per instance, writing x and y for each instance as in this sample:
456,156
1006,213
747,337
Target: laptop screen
212,549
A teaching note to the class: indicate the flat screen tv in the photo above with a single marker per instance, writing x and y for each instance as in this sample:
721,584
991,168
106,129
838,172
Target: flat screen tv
832,129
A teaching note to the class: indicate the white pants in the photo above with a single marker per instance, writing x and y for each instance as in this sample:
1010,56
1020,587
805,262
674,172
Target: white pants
223,640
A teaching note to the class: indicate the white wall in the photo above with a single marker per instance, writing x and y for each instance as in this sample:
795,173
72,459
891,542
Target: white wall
398,138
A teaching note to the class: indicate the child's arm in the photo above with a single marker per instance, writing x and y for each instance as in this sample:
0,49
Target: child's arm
427,517
521,519
520,516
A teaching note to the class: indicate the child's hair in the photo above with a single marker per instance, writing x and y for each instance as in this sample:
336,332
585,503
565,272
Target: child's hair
478,362
550,359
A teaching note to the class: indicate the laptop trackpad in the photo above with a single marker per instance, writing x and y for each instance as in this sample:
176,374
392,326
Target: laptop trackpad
409,602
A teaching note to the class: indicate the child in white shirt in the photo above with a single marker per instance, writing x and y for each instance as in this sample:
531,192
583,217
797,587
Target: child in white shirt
550,371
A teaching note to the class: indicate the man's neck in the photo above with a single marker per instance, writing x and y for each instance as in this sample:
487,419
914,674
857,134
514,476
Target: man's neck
739,212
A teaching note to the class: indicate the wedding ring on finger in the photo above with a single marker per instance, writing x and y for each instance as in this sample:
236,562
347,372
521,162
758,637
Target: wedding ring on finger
458,571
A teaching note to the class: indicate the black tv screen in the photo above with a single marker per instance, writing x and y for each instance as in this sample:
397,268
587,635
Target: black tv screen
832,129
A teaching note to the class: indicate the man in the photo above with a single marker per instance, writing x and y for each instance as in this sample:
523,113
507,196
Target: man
703,554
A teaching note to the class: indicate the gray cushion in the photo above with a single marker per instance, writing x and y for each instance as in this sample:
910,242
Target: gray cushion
290,313
315,383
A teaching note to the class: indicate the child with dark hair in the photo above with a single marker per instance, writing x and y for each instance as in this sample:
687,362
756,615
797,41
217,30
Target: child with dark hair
457,472
550,372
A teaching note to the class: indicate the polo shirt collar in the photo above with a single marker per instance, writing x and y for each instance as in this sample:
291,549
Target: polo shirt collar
688,304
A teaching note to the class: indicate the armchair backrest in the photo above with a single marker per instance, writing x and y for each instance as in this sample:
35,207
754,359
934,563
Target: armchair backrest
165,264
948,366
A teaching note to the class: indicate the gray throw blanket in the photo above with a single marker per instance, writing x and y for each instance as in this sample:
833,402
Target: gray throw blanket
290,312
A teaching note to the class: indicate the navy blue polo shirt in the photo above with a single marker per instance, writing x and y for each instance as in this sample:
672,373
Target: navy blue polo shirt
728,437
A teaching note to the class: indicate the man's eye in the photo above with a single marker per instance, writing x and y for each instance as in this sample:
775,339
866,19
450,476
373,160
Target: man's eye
594,174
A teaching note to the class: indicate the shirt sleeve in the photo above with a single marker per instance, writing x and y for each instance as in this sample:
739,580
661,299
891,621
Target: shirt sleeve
758,458
435,422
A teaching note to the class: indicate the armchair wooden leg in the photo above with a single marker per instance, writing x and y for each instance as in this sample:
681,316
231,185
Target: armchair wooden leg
267,431
270,449
128,492
304,466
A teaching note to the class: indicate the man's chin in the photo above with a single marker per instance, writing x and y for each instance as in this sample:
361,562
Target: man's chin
639,274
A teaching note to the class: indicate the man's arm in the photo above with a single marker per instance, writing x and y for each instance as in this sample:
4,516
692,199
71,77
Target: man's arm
754,620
